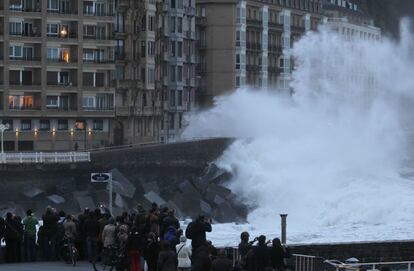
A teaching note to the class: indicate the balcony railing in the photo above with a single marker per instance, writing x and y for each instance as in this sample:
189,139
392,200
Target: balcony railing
23,34
25,9
99,61
98,13
60,108
69,36
24,58
24,108
109,37
63,12
44,157
253,46
61,60
101,109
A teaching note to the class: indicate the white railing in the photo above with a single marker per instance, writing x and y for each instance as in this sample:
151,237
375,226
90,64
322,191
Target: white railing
400,266
44,157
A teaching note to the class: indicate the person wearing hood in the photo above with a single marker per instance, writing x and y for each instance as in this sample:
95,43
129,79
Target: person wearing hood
278,253
183,254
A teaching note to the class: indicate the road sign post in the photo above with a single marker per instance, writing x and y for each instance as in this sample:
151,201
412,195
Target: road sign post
104,178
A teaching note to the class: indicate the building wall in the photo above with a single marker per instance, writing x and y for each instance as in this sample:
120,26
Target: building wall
248,42
56,70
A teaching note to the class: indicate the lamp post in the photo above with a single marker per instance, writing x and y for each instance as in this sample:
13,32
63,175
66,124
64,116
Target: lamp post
3,127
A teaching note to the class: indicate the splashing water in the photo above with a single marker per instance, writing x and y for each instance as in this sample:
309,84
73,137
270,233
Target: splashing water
331,155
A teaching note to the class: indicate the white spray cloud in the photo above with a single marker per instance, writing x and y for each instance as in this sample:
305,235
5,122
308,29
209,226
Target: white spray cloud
330,155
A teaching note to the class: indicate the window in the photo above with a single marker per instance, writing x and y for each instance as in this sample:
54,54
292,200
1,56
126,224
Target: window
151,76
173,48
172,97
144,100
180,121
143,52
88,101
15,51
172,25
80,125
44,125
120,22
180,25
63,125
89,30
52,5
98,125
26,125
180,48
151,48
120,73
172,3
15,28
151,20
52,29
52,53
179,73
179,98
171,121
172,73
88,55
52,101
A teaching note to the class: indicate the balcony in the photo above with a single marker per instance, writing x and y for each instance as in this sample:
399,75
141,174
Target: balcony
25,108
253,68
254,23
276,26
61,12
61,109
297,29
62,62
190,11
98,13
21,36
190,59
69,86
23,86
201,21
190,82
71,37
274,49
98,61
26,61
274,70
99,109
253,46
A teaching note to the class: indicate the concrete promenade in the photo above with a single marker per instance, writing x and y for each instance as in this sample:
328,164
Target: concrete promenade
46,266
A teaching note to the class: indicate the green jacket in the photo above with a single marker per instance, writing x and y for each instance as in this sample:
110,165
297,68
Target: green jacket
30,223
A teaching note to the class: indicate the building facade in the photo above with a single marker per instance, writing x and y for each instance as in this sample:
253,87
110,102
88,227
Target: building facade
246,42
346,18
56,71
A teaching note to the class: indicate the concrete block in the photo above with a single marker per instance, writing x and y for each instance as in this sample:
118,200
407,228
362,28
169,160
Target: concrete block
214,189
178,213
32,191
151,186
121,184
205,207
218,200
120,202
56,199
86,202
188,188
154,197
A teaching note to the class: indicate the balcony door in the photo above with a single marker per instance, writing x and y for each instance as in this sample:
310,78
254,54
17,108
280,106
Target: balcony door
27,78
64,6
28,53
27,29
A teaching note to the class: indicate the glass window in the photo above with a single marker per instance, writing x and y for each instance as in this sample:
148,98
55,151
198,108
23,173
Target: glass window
26,125
44,125
98,125
52,29
63,125
88,101
52,101
52,4
52,53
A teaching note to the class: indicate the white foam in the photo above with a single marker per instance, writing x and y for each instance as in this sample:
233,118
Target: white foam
329,156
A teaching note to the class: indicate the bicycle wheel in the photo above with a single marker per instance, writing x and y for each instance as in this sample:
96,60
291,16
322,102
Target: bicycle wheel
100,265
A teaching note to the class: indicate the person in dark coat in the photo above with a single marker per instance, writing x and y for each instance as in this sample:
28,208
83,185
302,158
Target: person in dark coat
167,259
222,263
170,220
50,231
12,238
261,254
196,232
277,255
140,219
200,260
151,251
244,247
163,214
135,247
91,231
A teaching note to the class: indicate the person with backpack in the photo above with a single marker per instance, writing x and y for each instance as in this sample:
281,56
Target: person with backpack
183,255
30,222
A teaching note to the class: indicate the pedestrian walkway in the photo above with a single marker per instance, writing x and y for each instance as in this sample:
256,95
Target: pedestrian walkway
46,266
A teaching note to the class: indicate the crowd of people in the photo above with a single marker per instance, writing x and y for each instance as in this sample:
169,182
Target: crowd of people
150,240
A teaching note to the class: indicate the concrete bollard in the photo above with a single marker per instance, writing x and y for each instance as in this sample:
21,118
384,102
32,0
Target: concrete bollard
283,228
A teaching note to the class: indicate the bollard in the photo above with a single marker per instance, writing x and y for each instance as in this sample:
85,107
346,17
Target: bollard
283,228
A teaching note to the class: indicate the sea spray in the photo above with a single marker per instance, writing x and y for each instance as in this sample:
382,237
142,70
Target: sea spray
330,155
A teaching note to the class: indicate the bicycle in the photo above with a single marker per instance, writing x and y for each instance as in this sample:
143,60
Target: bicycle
108,259
69,252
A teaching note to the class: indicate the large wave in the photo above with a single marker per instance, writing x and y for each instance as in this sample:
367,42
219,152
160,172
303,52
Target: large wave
331,154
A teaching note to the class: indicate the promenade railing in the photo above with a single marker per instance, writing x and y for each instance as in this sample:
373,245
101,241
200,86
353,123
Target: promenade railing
44,157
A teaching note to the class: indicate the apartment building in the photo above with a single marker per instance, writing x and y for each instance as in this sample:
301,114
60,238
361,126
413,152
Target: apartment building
138,105
175,71
346,18
246,42
56,68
